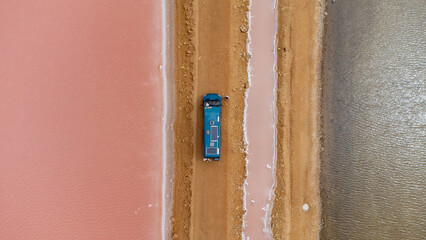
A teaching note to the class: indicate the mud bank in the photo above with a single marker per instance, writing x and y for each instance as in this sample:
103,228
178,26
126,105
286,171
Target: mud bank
210,56
297,167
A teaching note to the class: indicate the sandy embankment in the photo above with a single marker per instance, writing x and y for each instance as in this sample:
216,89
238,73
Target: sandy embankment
298,144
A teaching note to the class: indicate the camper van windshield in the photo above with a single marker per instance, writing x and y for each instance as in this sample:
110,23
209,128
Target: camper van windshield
212,103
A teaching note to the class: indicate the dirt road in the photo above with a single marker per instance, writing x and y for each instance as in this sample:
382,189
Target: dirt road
210,57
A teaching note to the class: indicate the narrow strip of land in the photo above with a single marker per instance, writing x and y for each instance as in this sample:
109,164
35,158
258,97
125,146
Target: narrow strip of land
296,211
210,54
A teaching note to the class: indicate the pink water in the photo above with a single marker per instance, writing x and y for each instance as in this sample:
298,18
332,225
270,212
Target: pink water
260,118
80,119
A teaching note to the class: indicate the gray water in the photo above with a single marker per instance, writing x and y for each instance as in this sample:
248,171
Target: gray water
374,120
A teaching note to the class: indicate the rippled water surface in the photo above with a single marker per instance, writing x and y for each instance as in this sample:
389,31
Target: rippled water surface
373,164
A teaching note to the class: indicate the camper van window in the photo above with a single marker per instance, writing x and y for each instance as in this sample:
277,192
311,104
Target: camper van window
212,103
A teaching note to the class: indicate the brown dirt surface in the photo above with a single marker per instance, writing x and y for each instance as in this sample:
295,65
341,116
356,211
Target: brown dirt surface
298,95
210,57
185,65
